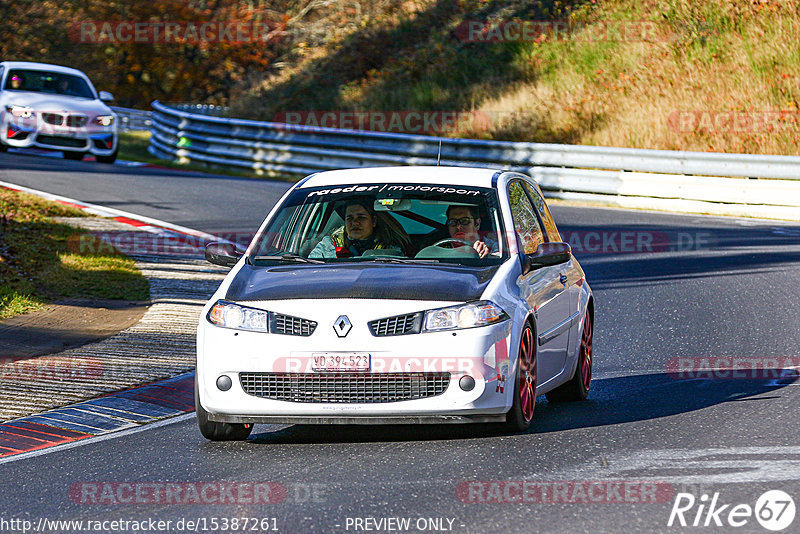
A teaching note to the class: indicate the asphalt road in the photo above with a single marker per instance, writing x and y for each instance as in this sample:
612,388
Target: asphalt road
666,287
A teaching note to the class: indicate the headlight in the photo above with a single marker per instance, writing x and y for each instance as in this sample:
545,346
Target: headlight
229,315
464,316
104,120
22,112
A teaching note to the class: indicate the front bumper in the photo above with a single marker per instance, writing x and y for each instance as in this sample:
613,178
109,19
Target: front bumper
360,420
34,133
481,353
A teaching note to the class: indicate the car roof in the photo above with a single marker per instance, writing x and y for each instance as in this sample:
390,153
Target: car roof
467,176
42,66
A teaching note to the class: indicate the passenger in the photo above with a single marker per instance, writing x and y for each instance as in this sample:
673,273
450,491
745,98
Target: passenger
463,222
364,229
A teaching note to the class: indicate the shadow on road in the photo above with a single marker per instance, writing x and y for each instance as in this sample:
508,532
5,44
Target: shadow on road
612,401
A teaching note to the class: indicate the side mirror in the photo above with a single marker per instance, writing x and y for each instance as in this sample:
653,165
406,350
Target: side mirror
546,254
105,96
225,254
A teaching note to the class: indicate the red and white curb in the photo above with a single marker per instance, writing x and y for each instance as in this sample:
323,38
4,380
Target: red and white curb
181,234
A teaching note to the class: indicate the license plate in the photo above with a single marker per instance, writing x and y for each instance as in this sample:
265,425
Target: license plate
65,133
340,361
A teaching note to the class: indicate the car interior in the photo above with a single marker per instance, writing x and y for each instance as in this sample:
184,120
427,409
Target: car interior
423,221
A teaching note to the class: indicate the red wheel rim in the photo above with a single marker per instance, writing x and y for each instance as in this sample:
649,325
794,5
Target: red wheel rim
527,375
586,352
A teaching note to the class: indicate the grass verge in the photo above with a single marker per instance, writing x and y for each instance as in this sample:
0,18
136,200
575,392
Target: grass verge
41,260
701,75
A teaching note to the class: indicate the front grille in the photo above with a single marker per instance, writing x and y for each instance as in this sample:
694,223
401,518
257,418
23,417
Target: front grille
77,121
293,326
56,140
56,119
396,326
367,388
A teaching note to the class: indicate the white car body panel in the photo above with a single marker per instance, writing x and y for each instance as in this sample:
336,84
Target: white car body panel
474,351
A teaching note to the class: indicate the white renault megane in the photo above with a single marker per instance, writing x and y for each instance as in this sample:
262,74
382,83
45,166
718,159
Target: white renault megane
395,295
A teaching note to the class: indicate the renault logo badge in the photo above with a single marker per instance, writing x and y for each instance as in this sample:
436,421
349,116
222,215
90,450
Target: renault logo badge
342,326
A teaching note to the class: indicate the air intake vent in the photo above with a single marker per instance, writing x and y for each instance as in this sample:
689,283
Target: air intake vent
55,119
369,388
77,121
397,326
291,326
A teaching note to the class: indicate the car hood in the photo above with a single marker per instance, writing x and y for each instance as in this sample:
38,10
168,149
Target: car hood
57,103
360,281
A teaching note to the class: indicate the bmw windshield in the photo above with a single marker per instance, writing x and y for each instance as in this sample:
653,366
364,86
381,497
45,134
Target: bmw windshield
398,223
41,81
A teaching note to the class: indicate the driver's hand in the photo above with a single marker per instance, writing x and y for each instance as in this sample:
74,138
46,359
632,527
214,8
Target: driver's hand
481,248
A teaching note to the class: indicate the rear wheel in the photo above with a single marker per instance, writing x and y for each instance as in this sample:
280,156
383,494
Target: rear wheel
215,431
577,388
3,146
520,415
70,154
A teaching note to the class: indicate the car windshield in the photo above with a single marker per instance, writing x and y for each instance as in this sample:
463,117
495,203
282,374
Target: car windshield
420,223
42,81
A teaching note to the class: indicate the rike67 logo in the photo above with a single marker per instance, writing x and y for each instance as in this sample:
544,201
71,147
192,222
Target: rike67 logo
774,510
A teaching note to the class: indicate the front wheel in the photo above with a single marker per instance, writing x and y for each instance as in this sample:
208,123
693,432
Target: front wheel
520,415
215,431
577,389
111,158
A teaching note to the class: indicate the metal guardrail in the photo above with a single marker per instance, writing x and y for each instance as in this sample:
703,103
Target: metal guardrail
133,119
181,135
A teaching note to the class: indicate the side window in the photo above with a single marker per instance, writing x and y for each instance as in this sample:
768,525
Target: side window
2,71
525,221
544,213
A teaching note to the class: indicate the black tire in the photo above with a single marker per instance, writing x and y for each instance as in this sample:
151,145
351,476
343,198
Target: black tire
519,417
75,156
3,146
214,431
577,389
111,158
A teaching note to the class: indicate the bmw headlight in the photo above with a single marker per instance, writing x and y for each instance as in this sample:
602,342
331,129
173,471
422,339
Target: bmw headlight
464,316
229,315
21,112
104,120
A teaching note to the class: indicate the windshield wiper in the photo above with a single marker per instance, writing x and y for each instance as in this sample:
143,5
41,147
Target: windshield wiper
387,259
288,257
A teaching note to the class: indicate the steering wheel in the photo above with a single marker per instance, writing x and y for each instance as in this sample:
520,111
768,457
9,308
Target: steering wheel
455,243
451,241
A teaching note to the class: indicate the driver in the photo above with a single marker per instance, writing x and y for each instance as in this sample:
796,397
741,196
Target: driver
463,222
17,81
363,230
64,86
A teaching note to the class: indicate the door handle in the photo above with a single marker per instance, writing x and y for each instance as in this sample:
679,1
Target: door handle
563,278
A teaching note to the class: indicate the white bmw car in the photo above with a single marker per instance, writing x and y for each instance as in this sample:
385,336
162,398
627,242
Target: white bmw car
56,108
395,295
